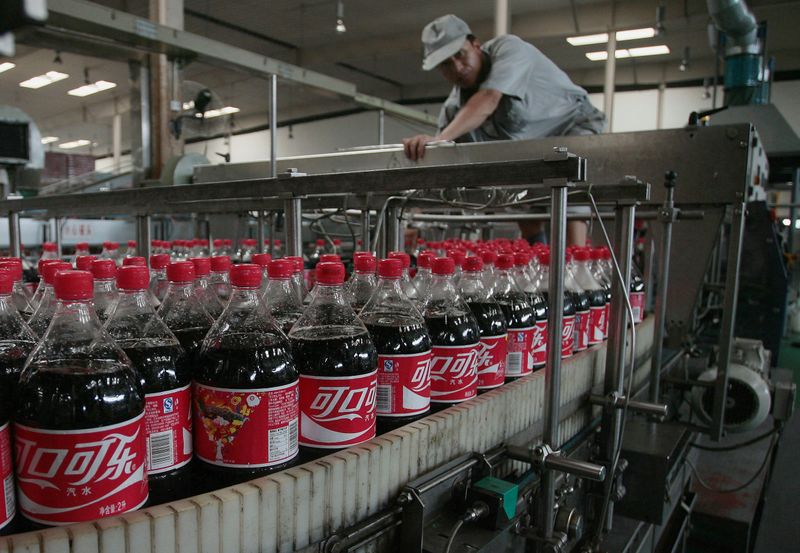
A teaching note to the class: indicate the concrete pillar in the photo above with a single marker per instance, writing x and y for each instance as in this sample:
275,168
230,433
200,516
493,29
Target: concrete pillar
501,17
165,86
116,141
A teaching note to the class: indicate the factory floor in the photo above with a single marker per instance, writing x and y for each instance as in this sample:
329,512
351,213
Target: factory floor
779,531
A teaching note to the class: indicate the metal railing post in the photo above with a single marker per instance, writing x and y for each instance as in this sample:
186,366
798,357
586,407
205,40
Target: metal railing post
293,209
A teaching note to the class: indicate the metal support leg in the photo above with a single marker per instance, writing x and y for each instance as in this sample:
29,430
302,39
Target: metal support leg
57,235
552,377
667,218
293,209
273,127
365,234
13,234
273,232
616,352
143,235
728,318
392,230
381,126
262,223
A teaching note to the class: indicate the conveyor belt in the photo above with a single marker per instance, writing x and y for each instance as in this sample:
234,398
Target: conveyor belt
298,507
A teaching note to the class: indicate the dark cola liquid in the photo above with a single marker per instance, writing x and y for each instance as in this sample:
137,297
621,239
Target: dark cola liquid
518,313
190,340
162,368
241,364
70,395
331,351
452,330
538,302
396,336
490,318
12,359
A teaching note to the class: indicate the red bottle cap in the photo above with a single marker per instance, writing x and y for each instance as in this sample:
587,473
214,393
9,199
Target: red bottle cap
111,245
420,240
330,273
131,243
404,258
366,264
220,263
320,242
202,266
488,257
425,259
521,259
180,272
136,261
473,264
337,242
84,262
6,280
262,259
443,266
228,242
544,257
280,269
133,277
49,247
13,265
246,275
159,260
390,268
73,285
103,268
43,262
330,258
82,246
277,243
505,261
581,254
49,271
219,242
298,263
458,256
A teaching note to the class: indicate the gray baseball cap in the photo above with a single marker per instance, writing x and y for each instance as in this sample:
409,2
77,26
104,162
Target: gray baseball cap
441,38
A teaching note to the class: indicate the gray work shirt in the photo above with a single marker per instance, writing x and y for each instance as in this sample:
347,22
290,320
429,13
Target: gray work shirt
538,99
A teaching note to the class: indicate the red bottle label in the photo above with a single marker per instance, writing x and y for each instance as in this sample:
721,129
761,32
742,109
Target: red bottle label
454,373
567,335
520,345
539,347
8,507
637,305
337,412
68,476
404,384
597,322
248,428
606,320
168,422
491,363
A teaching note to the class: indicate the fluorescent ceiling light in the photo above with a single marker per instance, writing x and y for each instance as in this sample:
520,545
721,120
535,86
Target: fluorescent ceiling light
635,34
43,80
49,139
5,66
588,39
600,38
630,52
73,144
92,88
227,110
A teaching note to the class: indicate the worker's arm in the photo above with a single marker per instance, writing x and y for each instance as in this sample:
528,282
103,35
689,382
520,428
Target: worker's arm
477,109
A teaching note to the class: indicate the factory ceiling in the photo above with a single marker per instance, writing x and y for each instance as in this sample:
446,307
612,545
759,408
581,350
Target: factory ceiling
379,52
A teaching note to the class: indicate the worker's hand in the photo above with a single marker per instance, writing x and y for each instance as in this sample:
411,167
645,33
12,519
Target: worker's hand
415,146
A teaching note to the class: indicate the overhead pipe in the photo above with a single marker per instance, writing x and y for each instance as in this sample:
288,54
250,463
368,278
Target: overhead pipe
735,19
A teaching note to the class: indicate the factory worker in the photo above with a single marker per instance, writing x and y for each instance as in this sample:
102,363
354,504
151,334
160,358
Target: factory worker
505,89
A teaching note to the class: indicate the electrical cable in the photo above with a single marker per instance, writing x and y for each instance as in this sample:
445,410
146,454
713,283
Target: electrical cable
735,446
740,487
456,527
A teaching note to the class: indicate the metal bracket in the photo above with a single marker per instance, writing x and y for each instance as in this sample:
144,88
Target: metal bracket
543,457
291,172
615,400
413,517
